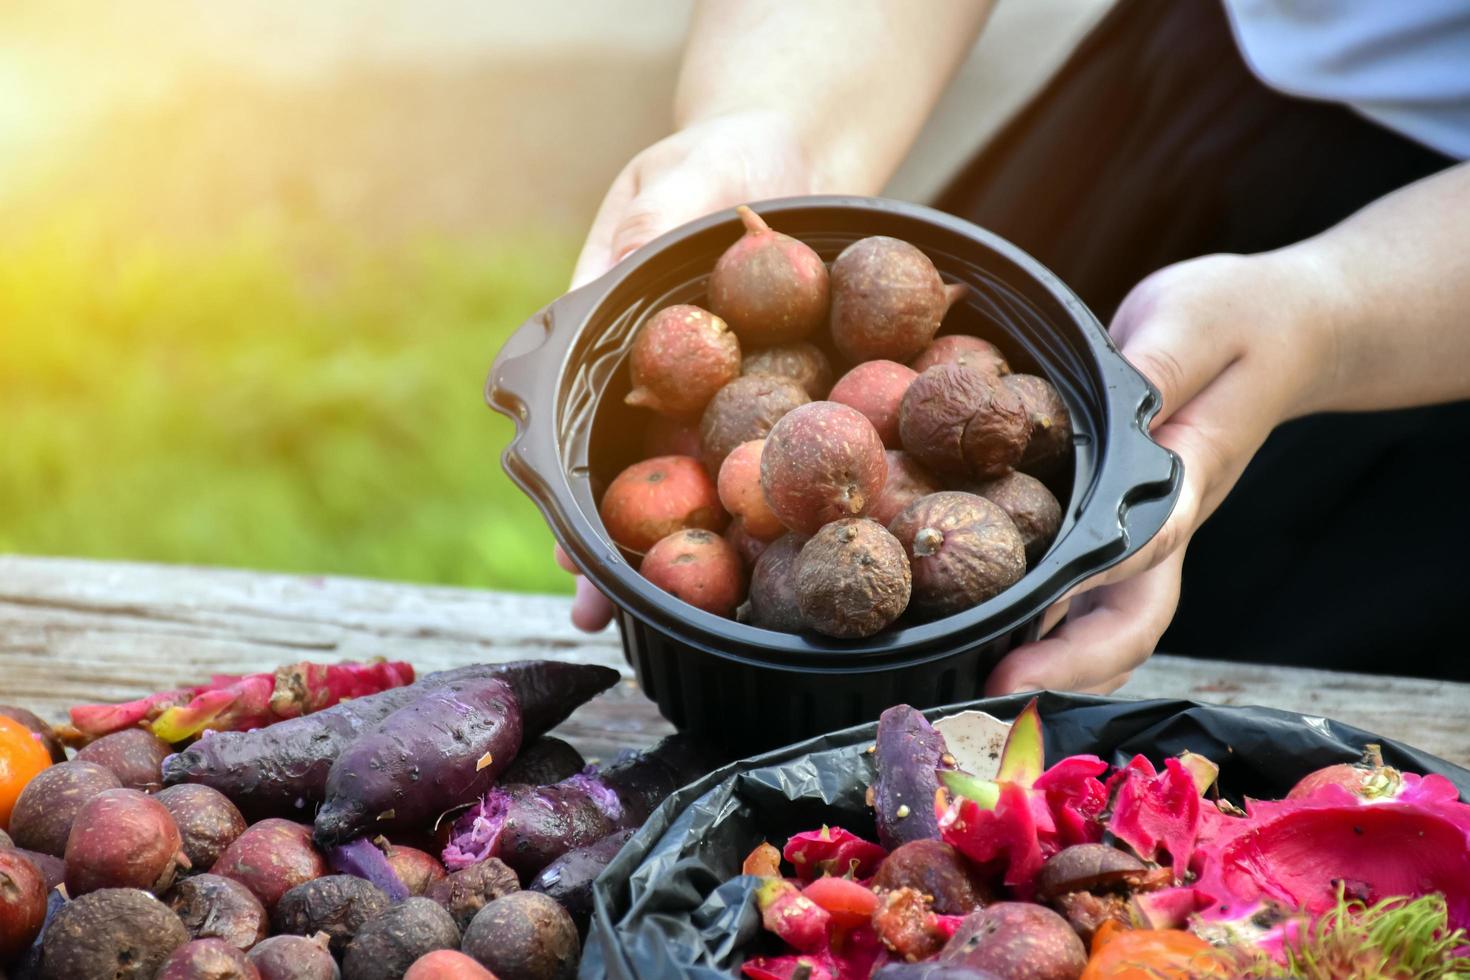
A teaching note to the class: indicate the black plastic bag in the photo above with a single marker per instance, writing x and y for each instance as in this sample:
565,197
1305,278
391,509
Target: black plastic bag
673,904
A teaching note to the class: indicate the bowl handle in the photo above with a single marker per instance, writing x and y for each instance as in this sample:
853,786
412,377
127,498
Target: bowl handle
1152,473
526,365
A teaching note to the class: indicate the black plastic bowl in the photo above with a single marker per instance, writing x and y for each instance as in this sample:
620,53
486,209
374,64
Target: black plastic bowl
562,378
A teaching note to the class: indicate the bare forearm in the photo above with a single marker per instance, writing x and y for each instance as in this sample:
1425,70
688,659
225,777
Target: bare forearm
854,79
1396,303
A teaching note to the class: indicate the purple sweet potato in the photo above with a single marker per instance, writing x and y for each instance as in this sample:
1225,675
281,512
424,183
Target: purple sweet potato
135,756
43,814
122,838
271,858
207,820
213,907
569,878
443,750
294,958
548,759
909,753
528,827
362,858
282,769
207,959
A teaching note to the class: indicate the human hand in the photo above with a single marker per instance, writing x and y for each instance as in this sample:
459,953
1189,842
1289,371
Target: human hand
715,163
1236,345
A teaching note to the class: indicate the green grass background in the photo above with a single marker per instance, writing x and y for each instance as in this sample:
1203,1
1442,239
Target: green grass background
279,398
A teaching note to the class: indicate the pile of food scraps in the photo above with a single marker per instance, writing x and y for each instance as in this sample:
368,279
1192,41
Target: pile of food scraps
915,486
320,821
1079,871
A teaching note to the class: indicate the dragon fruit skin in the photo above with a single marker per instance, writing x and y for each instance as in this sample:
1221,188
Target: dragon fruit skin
1075,797
819,967
1154,810
832,850
1296,852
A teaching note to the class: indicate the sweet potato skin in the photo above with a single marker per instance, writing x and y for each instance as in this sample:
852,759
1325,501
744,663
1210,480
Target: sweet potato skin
442,750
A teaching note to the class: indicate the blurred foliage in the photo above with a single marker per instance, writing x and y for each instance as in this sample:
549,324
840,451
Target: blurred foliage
281,398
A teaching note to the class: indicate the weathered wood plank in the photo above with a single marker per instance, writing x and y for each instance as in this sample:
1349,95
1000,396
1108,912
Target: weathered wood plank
75,630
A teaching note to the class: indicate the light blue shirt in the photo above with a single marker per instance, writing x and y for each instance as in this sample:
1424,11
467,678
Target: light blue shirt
1405,64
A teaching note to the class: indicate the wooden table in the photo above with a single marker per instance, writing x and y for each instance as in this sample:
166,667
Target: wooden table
74,631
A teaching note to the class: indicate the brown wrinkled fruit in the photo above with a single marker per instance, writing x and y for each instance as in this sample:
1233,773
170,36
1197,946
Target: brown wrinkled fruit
1051,425
698,567
852,579
680,358
822,462
963,550
294,958
1086,868
802,362
771,602
962,350
748,547
45,809
935,869
654,498
887,300
1017,939
211,907
740,491
959,422
122,838
743,410
525,935
388,944
116,933
337,905
134,755
207,820
876,388
907,481
1030,506
771,288
465,892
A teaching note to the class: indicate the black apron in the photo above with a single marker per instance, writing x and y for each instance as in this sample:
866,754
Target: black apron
1344,544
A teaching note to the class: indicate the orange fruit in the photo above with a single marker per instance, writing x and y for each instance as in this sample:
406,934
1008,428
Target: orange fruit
22,755
1151,954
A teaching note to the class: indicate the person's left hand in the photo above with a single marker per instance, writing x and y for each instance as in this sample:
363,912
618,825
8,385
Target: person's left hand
1235,345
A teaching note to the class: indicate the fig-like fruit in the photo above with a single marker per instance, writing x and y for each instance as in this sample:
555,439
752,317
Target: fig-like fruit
907,481
656,497
822,462
876,388
1088,868
1030,506
1017,939
959,422
698,567
740,491
936,869
1050,442
680,358
771,288
963,550
887,300
962,350
802,362
852,579
743,410
771,602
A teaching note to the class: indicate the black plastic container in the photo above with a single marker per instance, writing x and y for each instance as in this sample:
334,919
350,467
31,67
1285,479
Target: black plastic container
672,903
562,377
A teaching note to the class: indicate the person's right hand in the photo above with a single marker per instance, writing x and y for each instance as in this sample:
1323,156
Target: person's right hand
708,165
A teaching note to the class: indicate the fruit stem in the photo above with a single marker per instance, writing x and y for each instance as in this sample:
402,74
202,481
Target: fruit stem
928,541
754,223
953,293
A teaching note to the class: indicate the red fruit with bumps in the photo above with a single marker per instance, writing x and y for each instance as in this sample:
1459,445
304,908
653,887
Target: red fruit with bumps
771,288
698,567
650,500
680,358
740,491
963,351
822,462
887,300
876,388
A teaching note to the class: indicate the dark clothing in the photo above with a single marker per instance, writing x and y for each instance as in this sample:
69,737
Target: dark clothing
1344,544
